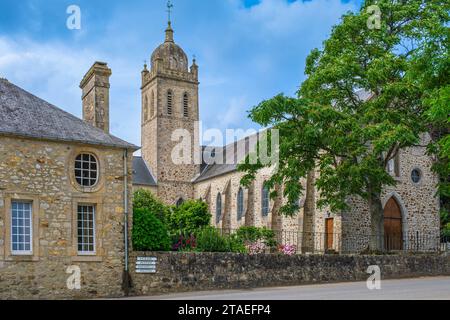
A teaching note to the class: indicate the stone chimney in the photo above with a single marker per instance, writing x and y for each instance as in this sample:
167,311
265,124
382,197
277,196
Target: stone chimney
95,87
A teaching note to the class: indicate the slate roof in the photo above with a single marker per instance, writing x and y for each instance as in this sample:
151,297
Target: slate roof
142,175
229,152
25,115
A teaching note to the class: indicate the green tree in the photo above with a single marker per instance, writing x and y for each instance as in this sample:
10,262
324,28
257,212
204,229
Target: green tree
149,233
189,217
144,199
351,140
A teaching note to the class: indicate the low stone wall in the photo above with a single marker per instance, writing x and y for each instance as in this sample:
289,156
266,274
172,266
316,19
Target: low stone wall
177,272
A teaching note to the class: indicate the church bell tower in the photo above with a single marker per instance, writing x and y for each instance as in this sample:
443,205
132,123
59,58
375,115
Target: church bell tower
170,108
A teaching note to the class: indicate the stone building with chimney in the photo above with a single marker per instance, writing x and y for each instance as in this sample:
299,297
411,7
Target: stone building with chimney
65,185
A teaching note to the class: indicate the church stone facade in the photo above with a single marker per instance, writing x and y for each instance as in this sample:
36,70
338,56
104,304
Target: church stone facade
170,102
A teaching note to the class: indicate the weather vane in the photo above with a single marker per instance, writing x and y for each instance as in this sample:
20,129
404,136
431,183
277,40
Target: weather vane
169,8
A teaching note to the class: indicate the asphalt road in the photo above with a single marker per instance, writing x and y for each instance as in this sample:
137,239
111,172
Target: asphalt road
406,289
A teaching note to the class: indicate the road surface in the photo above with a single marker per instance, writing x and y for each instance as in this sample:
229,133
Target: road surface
437,288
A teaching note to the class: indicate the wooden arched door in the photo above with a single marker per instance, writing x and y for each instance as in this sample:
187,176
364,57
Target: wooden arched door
393,226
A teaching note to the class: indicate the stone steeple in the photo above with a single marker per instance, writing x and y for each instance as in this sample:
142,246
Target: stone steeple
170,105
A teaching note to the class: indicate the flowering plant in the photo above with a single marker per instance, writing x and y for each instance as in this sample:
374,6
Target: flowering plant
288,249
256,248
185,243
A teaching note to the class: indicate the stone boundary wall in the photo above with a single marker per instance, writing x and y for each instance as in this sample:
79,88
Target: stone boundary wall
182,272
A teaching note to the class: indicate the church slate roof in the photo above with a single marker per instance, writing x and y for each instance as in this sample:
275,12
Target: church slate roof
142,175
210,171
24,115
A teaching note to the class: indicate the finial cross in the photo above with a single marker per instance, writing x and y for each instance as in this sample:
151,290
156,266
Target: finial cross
169,8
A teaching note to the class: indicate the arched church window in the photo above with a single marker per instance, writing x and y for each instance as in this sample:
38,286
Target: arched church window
394,166
152,104
145,108
169,102
240,204
218,208
180,202
265,201
186,105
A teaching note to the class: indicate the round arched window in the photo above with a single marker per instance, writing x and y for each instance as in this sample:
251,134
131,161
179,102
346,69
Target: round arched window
416,176
86,170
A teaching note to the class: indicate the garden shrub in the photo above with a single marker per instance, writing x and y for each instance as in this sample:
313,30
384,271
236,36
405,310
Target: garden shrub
251,235
236,244
149,233
209,239
188,218
445,223
144,199
185,243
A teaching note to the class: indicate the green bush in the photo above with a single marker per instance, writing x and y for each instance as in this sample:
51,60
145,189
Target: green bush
210,239
236,244
143,199
254,234
445,223
149,233
189,217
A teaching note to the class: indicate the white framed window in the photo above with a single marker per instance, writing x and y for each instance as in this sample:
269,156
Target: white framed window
86,229
21,228
86,170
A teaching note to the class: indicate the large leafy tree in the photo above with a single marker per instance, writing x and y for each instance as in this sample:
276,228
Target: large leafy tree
345,135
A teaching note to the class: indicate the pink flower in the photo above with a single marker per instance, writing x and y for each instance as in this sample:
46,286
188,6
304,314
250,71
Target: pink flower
288,249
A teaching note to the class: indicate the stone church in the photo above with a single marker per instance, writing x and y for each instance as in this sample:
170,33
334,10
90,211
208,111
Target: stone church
170,91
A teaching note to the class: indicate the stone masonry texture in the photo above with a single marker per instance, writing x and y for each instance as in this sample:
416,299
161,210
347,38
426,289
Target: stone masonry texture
183,272
41,172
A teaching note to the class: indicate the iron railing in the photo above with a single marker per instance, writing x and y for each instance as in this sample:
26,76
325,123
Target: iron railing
343,243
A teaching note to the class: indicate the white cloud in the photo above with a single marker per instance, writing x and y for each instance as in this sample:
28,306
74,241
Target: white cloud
53,71
245,55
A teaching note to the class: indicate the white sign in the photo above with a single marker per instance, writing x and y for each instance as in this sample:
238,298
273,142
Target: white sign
146,265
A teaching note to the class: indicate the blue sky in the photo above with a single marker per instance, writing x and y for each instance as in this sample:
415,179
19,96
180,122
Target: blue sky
247,50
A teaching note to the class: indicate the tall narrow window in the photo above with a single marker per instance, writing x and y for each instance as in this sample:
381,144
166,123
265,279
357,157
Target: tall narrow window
240,204
218,208
265,201
186,105
86,229
21,228
169,102
152,104
145,108
394,166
